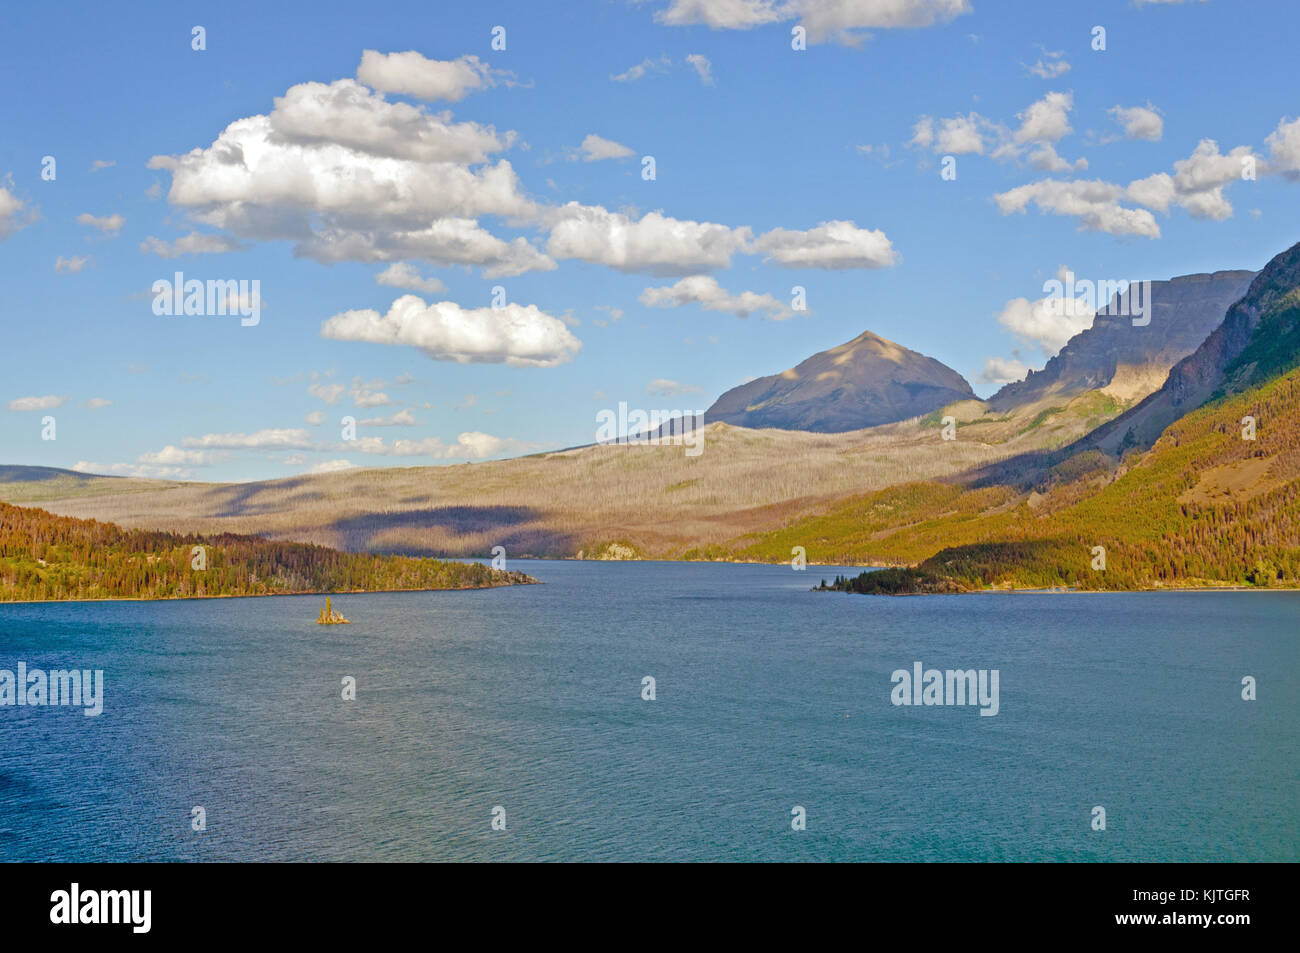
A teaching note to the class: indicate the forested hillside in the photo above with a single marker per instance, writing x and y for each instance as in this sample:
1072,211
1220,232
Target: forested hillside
1206,506
45,557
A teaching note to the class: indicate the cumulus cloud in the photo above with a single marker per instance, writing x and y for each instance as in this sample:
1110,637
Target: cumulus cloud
348,176
705,291
1139,122
654,244
1197,183
37,403
594,148
1095,203
518,335
1047,120
1283,146
401,275
411,74
108,224
836,246
15,214
1048,323
345,113
1004,370
958,135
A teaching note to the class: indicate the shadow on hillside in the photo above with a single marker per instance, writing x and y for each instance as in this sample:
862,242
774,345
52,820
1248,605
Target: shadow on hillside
234,501
519,529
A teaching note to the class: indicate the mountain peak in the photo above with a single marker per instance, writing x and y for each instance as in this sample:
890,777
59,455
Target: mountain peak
864,382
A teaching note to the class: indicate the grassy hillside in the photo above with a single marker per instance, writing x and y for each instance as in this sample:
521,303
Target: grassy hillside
1203,507
642,500
45,557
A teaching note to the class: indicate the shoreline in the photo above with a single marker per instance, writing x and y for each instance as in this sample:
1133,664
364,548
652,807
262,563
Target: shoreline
261,595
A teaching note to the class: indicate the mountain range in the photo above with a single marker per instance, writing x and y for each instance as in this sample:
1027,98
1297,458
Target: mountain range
1129,434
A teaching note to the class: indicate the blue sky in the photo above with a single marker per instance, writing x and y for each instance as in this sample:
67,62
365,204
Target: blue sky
463,167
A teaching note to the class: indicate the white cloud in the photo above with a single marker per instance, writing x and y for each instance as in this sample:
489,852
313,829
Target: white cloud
15,214
102,164
702,66
823,19
331,466
1004,370
175,456
347,176
521,336
71,265
195,243
1283,149
330,393
1050,65
663,387
411,74
140,470
1047,120
1197,183
108,224
594,148
403,418
97,403
345,113
958,135
316,418
401,275
654,244
1047,323
283,439
1046,159
1095,203
836,245
705,291
646,66
37,403
1139,122
721,14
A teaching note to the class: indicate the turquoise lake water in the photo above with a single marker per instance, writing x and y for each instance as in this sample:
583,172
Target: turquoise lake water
768,696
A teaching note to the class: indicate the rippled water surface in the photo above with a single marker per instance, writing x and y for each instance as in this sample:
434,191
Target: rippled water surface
768,696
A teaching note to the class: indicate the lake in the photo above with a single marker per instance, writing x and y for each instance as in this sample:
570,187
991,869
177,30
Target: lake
768,697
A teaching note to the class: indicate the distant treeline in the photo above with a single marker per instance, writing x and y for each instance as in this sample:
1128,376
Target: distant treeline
48,557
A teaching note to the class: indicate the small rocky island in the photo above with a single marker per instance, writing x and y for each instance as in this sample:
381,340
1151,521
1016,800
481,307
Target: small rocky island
328,615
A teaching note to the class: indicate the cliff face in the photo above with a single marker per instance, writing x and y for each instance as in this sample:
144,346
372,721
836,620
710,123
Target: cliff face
1258,337
863,383
1131,362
